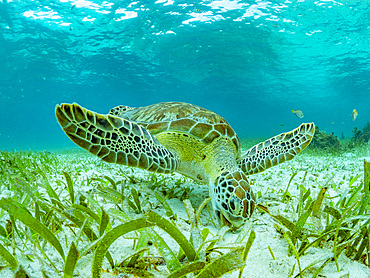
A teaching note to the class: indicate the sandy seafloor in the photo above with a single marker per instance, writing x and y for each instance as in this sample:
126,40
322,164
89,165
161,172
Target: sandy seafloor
270,183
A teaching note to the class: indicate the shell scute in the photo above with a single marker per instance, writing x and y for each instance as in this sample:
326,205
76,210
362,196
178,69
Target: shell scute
222,129
183,125
236,142
211,136
200,130
156,128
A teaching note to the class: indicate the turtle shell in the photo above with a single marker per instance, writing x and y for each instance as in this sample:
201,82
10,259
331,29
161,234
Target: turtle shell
190,119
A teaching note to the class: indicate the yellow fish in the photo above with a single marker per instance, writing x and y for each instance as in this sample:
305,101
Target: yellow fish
354,114
298,113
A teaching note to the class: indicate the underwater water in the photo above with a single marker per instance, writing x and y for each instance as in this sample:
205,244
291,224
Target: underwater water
250,61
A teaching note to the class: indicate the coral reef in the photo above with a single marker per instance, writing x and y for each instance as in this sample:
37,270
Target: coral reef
322,140
361,136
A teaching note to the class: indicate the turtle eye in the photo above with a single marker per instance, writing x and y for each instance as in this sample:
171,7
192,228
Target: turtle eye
235,204
232,204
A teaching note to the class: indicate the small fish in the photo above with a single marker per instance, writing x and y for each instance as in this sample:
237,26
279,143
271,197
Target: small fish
354,114
298,113
282,124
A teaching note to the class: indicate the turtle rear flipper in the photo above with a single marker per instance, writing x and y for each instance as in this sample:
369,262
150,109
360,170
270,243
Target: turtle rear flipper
115,140
276,150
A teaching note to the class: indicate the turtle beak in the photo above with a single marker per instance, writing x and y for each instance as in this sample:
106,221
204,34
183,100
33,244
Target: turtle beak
223,220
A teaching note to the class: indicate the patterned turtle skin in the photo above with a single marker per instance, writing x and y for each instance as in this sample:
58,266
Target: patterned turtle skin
188,139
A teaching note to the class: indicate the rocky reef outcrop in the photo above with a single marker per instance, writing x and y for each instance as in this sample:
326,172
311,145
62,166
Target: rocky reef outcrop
323,140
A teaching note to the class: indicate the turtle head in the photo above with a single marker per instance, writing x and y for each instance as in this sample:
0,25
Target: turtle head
233,199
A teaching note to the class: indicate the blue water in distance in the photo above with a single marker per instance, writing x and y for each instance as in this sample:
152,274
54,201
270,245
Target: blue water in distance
250,61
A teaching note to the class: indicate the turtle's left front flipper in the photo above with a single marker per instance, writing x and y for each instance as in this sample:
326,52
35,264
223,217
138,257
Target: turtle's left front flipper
276,150
115,140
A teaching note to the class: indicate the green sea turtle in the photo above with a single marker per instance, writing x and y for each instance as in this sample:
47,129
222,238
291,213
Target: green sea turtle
185,138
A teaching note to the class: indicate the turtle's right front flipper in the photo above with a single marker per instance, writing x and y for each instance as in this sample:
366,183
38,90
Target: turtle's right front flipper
276,150
115,140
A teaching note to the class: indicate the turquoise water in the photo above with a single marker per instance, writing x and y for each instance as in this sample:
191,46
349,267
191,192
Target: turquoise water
250,61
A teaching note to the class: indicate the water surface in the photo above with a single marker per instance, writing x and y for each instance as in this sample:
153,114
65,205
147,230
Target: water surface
250,61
